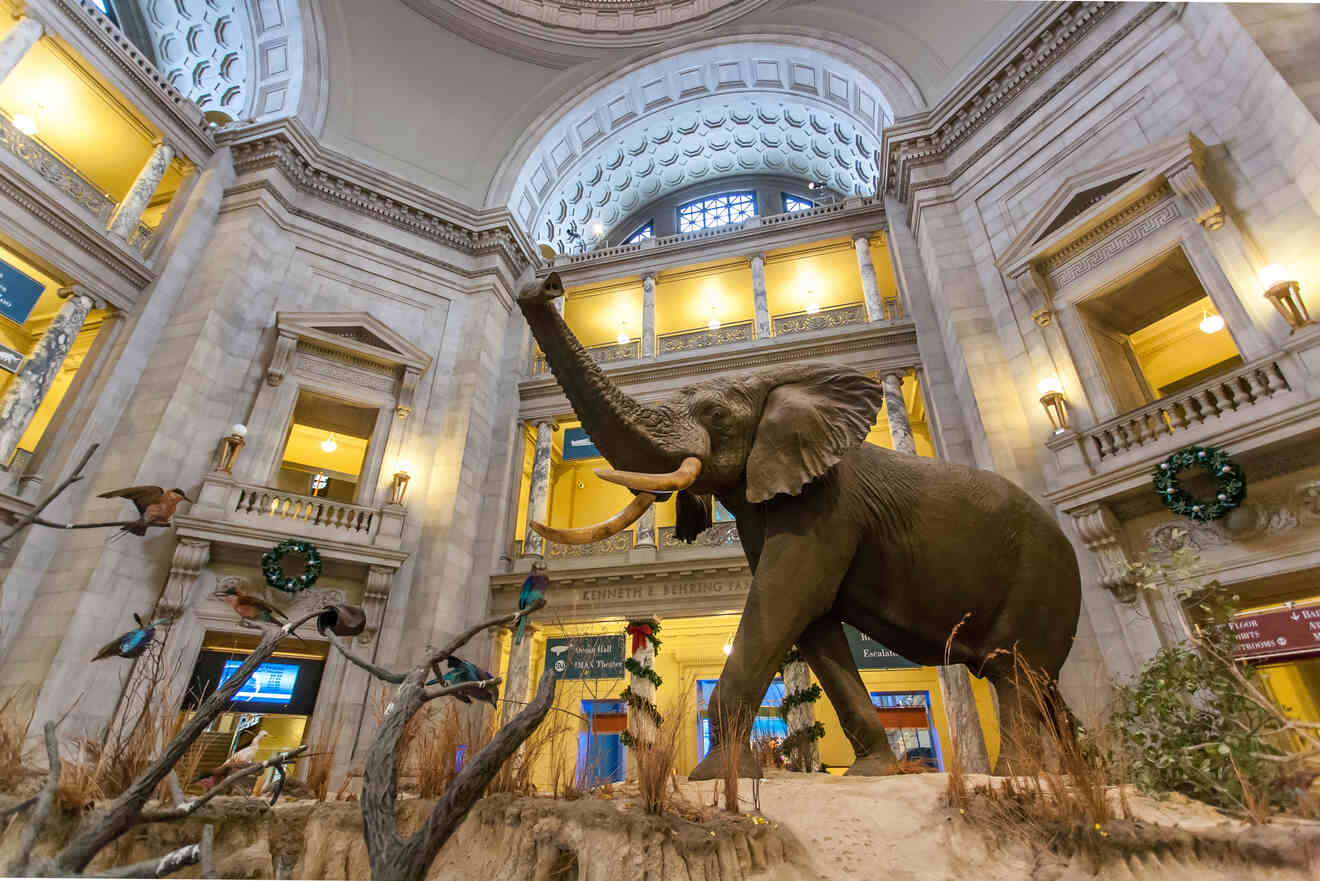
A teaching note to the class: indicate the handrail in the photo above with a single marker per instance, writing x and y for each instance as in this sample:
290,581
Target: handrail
261,501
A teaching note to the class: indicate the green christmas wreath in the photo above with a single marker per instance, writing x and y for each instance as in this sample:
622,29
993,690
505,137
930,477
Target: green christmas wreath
274,572
1230,483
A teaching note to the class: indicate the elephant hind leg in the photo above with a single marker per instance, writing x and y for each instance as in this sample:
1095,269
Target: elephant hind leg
825,648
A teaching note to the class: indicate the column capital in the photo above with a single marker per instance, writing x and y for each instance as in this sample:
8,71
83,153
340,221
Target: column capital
648,275
537,421
78,290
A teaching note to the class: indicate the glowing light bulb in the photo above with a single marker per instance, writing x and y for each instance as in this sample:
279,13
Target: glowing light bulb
1211,323
1050,385
714,323
1269,276
26,124
329,444
597,229
728,646
404,467
238,430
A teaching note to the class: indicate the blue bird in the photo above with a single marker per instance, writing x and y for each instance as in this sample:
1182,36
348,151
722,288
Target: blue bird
133,643
533,589
466,671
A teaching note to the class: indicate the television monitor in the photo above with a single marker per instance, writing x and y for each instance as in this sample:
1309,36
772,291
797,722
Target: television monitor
270,683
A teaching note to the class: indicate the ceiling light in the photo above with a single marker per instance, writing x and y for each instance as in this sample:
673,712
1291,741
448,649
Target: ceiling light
26,124
1211,323
329,444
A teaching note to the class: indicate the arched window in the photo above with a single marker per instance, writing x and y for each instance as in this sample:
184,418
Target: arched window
645,231
715,211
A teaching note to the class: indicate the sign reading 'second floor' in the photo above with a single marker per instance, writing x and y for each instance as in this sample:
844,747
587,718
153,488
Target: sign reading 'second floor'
1276,633
586,657
19,292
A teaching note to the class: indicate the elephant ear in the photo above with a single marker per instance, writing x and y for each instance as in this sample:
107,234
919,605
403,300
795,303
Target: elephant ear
806,427
693,516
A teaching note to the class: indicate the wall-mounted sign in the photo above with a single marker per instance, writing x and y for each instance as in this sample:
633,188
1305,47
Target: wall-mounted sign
578,446
1276,633
19,292
586,657
10,360
871,655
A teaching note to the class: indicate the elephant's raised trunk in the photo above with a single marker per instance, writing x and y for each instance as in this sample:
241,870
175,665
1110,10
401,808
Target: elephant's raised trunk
621,428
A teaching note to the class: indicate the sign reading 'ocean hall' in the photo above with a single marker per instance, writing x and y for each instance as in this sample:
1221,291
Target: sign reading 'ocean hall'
871,655
1278,632
586,657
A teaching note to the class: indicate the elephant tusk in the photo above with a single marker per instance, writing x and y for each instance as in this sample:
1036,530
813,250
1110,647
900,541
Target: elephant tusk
682,478
587,534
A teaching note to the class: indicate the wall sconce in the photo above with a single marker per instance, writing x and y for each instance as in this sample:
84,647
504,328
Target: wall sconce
1286,295
400,485
230,446
1051,398
728,646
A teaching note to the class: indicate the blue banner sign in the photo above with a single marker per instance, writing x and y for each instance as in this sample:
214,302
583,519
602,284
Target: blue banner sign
578,446
10,360
871,655
591,657
18,293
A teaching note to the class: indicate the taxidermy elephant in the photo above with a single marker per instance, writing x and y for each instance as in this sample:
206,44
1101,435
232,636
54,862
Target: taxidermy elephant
835,530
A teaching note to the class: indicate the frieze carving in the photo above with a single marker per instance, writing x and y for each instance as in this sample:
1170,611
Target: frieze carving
610,353
1103,243
687,341
619,543
1260,517
718,535
840,316
53,169
342,367
279,152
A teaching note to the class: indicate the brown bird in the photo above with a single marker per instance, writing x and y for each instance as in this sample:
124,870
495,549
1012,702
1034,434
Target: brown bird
155,506
239,760
251,608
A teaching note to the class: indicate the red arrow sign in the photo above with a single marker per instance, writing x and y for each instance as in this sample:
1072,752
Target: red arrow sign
1276,633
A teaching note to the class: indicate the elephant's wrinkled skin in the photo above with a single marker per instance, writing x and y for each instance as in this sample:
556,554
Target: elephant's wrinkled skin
836,530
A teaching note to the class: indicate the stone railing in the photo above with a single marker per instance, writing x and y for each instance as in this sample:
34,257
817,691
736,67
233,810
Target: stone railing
306,510
609,353
720,535
57,171
1235,391
687,340
821,319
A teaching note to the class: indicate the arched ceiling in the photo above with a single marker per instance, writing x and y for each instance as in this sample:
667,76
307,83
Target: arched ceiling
699,116
243,58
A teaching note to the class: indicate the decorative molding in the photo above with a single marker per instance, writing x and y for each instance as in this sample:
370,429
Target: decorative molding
329,364
686,341
824,319
287,149
1188,180
1265,516
282,359
930,138
1102,534
619,543
718,535
1102,231
1106,244
50,166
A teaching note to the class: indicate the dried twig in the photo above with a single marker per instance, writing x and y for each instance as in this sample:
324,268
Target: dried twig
379,672
29,518
188,855
208,851
191,806
45,802
431,694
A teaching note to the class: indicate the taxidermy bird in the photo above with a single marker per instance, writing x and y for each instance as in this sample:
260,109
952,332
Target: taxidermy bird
155,506
534,587
466,671
239,760
133,643
251,608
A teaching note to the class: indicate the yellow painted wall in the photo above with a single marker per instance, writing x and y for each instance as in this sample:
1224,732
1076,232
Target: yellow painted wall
828,270
687,298
595,312
524,483
1175,346
692,649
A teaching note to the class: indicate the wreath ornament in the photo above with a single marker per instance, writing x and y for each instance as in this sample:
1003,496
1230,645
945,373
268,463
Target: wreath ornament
1230,483
274,572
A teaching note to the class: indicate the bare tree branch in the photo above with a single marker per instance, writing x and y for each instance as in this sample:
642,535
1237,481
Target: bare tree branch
188,855
191,806
101,525
378,672
431,694
18,806
208,851
45,803
124,811
27,519
466,636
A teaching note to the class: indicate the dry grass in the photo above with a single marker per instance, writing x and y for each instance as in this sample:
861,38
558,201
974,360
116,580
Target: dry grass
655,761
14,770
321,759
429,750
733,739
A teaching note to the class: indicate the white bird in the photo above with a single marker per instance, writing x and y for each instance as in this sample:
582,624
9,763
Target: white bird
240,759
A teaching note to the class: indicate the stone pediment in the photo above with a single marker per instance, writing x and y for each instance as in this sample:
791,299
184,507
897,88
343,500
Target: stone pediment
357,334
1086,201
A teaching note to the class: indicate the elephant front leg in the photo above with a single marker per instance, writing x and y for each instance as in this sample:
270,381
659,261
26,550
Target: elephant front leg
794,584
825,646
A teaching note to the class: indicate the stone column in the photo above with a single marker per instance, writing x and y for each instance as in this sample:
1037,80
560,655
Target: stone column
870,284
759,297
900,429
801,717
25,34
648,315
39,370
129,212
518,681
964,723
646,529
641,725
179,602
538,493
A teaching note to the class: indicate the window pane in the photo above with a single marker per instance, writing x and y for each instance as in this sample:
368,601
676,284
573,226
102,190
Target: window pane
793,203
645,232
716,211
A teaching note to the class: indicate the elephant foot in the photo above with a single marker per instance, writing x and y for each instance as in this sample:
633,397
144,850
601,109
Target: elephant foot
875,765
712,767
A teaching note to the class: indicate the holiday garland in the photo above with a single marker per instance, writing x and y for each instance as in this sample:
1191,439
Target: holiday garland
275,577
805,696
802,737
647,673
642,630
813,732
1231,483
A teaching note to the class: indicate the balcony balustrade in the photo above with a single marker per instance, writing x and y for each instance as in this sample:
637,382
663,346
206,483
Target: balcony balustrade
720,536
821,319
704,338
